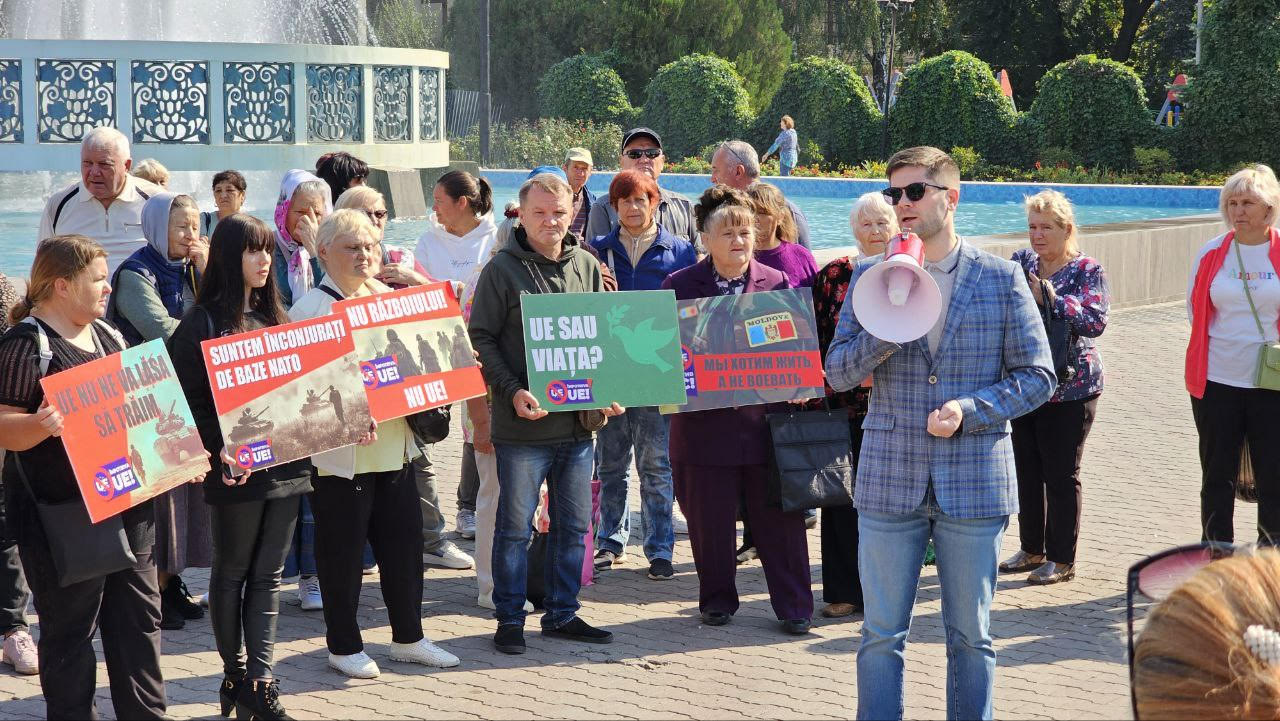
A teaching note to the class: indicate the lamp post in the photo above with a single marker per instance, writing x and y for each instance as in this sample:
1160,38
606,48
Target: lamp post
892,7
486,99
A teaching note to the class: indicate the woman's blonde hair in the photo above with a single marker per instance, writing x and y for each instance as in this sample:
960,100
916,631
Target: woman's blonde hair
1191,661
358,197
150,169
769,200
62,256
343,223
1060,211
787,122
1258,180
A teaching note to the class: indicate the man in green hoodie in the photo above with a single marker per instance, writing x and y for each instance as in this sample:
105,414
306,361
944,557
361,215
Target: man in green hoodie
533,445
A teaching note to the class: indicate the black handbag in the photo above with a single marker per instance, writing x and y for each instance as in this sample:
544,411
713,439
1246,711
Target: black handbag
1061,339
813,463
80,549
430,426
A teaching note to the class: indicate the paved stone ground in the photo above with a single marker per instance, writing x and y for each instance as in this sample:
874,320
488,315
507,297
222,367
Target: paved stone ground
1061,649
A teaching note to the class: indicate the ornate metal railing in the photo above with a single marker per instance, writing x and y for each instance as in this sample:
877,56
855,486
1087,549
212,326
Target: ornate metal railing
197,106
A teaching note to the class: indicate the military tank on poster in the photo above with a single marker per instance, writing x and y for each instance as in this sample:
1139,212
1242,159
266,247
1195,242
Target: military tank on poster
177,441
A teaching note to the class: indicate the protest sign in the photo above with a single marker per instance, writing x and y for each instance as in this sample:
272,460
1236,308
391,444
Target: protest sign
742,350
127,428
398,381
288,391
587,350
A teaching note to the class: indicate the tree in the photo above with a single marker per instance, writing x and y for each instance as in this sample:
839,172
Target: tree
1135,11
1165,46
831,106
1095,108
695,101
1233,97
583,87
404,24
953,100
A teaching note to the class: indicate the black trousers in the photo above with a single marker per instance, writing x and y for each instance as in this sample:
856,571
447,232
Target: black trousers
125,608
1225,417
1048,444
839,532
250,542
383,509
14,593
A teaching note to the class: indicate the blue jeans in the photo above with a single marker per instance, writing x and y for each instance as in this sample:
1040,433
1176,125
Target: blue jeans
645,430
302,556
890,551
566,467
787,163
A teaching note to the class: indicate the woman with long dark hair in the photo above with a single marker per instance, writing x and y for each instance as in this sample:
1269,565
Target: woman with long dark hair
253,514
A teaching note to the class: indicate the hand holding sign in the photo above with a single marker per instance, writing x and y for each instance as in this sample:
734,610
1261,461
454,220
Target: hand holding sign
612,410
49,419
229,461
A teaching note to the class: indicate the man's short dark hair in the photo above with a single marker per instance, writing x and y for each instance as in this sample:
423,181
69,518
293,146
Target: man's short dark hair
339,169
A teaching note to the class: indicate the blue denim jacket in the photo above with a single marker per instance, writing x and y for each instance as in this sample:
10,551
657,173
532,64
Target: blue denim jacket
668,254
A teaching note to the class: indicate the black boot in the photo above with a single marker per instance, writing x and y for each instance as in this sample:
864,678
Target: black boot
176,597
260,701
228,692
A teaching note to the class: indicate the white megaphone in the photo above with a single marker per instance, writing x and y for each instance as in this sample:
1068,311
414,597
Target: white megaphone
896,299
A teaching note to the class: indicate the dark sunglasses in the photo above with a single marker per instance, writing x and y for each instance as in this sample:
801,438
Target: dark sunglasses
650,153
914,191
376,214
1155,577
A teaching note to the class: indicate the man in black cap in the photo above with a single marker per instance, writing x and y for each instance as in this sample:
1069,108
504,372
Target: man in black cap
642,150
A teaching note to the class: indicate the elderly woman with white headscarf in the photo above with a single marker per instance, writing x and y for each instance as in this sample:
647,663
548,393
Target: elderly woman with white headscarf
154,287
304,201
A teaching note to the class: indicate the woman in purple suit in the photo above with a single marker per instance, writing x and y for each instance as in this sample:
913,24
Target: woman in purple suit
718,455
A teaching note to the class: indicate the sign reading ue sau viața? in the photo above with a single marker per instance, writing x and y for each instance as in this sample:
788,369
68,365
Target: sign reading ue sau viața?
127,428
413,348
587,350
742,350
288,391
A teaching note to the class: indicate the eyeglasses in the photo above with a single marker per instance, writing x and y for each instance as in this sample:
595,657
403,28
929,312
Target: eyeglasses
1155,577
376,214
650,153
914,191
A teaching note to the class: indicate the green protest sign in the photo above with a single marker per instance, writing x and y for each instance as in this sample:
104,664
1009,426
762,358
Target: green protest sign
587,350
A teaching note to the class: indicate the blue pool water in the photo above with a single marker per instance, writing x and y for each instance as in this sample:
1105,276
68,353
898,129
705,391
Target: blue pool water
993,208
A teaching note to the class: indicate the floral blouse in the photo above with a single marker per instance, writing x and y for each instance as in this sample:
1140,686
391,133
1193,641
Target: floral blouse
1083,299
829,288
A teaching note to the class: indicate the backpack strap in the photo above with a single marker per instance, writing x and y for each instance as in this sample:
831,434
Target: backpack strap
110,331
43,352
331,292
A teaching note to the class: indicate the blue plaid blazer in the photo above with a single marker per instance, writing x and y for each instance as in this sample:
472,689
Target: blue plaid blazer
993,358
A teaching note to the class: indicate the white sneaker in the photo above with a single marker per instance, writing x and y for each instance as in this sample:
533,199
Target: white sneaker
486,601
203,600
19,651
449,556
466,524
423,652
309,595
678,522
357,665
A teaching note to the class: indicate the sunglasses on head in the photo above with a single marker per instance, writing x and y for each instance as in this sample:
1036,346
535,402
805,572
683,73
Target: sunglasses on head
376,214
650,153
914,191
1155,577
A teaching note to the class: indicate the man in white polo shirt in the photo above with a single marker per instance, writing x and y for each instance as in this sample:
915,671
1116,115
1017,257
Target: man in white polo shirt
106,203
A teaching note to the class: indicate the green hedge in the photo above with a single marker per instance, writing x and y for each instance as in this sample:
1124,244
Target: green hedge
1094,107
831,106
1233,98
584,87
953,100
694,101
543,142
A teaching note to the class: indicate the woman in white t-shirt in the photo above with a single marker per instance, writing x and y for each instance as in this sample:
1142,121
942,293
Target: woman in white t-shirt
459,240
1233,302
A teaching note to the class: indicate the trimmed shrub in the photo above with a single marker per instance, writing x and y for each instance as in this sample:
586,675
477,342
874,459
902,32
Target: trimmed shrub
967,161
695,101
1094,107
1055,157
527,145
952,100
1233,99
831,106
1153,161
584,87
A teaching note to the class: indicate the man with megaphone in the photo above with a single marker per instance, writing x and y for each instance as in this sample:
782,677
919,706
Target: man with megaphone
956,349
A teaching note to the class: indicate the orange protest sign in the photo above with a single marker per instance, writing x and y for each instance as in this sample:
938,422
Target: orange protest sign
413,348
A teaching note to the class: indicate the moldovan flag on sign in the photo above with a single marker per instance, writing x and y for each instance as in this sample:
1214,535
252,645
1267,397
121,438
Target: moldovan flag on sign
287,392
127,428
413,348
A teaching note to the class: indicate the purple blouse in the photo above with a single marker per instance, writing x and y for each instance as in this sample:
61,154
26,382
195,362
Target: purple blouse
793,259
1083,300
